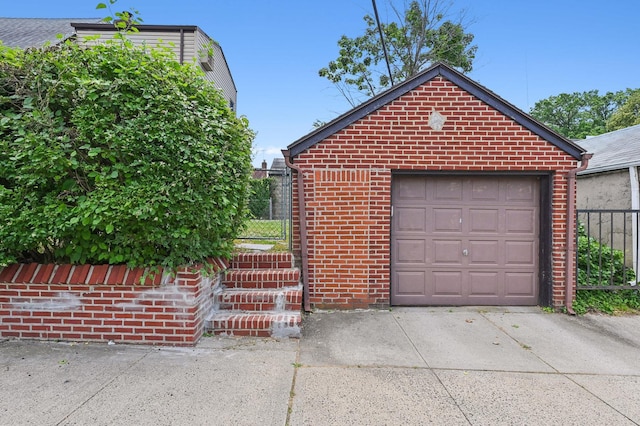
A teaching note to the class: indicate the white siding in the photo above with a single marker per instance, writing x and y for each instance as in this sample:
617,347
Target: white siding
221,75
170,39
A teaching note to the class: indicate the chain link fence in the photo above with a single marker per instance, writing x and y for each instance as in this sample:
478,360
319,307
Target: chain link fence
270,205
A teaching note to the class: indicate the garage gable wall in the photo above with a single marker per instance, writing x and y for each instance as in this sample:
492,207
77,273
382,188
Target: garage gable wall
348,178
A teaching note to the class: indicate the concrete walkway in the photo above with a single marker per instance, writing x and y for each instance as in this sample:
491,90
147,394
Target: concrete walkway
448,366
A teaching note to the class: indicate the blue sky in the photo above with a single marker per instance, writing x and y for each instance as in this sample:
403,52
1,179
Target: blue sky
527,51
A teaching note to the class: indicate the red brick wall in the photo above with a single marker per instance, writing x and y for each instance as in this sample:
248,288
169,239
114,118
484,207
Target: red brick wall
104,303
348,184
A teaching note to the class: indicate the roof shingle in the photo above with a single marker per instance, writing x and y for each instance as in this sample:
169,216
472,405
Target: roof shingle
35,32
614,150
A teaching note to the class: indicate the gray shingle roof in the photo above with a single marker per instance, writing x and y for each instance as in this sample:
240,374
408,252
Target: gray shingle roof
35,32
613,150
278,164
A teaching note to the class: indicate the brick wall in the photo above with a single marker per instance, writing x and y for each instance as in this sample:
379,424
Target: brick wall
105,303
348,184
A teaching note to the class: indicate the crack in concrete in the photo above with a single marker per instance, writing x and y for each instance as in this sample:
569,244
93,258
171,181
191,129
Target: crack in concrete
556,371
103,387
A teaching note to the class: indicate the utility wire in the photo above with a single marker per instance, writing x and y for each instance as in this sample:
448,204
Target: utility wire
384,46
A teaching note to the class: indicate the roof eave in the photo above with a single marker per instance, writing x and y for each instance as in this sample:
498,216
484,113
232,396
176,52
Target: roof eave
142,27
610,168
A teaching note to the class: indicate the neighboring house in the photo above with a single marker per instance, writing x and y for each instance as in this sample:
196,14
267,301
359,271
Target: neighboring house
36,32
611,182
280,203
262,172
435,192
188,42
281,189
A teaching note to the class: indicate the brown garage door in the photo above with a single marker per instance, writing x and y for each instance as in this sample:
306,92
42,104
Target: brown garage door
462,240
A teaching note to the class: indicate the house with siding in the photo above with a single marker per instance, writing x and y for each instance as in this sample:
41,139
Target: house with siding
281,190
189,43
612,182
435,192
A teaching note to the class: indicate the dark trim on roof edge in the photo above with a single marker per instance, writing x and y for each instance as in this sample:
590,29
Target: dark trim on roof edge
111,27
453,76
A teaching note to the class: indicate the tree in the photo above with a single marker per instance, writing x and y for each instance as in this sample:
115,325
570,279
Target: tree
627,115
579,114
421,36
260,200
117,154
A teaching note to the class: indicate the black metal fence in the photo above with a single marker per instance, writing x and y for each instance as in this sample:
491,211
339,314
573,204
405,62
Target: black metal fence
271,213
607,249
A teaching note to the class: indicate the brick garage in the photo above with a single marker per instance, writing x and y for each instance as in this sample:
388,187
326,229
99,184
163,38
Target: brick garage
437,127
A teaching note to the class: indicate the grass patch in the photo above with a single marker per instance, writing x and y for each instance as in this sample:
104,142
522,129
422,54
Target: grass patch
273,232
266,229
278,245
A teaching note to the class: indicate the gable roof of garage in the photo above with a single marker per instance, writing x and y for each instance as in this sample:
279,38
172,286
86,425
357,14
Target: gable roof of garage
430,73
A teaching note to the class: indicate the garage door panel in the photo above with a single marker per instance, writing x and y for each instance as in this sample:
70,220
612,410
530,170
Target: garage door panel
520,221
411,219
484,283
520,253
447,220
447,252
465,240
447,283
410,188
448,190
520,284
484,220
484,253
521,190
409,251
485,189
410,282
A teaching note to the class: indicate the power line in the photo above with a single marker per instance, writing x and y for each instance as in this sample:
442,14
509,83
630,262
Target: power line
384,46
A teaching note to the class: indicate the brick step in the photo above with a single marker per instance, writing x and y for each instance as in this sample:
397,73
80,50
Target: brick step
261,278
257,324
279,260
285,299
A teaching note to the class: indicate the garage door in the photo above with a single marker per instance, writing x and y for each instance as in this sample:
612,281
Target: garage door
462,240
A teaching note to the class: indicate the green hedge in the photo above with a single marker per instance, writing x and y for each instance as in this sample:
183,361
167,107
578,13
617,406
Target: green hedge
116,154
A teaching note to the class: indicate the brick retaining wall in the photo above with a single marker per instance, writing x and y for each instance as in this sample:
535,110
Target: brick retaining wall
105,303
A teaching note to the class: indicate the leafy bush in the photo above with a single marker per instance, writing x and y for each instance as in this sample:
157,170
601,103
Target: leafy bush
599,264
116,154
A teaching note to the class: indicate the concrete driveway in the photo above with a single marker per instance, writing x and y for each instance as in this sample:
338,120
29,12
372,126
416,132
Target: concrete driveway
448,366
